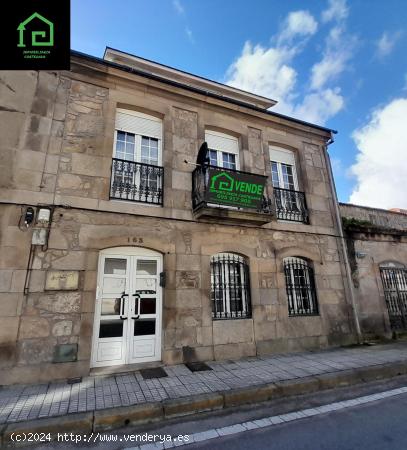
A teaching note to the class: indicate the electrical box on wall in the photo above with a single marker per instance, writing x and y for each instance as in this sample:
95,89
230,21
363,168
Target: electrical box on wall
39,236
43,215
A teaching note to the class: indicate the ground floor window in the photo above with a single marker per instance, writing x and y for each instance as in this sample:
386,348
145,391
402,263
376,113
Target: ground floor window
230,286
300,286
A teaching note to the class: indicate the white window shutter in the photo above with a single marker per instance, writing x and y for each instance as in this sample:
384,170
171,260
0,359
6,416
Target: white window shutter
282,156
222,142
138,123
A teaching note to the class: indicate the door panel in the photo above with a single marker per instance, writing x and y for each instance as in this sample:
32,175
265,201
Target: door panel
147,311
110,334
110,353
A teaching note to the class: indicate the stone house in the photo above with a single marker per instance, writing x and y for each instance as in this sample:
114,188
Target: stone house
116,254
377,249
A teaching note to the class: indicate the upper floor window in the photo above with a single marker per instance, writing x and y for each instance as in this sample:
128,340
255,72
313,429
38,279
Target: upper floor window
223,150
283,173
137,174
290,203
138,137
230,286
300,286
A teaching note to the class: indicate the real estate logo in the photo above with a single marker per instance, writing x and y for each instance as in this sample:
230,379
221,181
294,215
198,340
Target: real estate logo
42,36
235,188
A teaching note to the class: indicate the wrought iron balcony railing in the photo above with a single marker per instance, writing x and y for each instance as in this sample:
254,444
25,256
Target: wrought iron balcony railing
200,190
137,182
291,205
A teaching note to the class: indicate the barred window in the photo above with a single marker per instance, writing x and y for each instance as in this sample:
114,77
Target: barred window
230,286
300,285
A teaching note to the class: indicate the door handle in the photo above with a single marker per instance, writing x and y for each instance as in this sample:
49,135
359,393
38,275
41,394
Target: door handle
122,299
136,304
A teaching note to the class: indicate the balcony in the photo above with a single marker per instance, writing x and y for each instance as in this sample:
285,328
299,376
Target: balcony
137,182
291,205
225,194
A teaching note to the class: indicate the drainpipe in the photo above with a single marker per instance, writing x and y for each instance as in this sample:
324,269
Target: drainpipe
343,244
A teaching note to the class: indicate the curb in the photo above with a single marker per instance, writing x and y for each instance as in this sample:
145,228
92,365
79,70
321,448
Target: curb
113,418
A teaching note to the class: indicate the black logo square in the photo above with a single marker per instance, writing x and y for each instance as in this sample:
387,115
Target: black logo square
35,35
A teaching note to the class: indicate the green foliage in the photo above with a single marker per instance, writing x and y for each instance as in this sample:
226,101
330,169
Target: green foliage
352,222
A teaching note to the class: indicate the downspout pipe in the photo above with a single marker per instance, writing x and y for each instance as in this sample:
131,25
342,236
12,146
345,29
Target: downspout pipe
343,245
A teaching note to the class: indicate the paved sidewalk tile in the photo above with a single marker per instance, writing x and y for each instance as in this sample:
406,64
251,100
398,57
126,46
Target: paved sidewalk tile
20,403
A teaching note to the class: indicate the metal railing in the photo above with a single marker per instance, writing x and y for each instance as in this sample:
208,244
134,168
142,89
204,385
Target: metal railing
291,205
137,182
230,287
200,186
300,287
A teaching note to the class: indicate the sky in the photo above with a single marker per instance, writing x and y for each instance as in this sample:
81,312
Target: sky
337,63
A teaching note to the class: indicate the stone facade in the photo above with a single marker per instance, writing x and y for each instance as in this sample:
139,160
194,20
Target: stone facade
57,138
374,237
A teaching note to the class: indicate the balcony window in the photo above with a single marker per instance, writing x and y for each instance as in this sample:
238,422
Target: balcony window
223,150
137,174
290,202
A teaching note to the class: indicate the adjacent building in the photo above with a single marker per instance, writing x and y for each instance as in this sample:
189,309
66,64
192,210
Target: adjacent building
118,250
377,249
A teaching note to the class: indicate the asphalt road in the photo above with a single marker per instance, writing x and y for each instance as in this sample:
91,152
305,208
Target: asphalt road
381,425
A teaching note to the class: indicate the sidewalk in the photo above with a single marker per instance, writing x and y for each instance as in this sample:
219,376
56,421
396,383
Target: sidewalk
22,403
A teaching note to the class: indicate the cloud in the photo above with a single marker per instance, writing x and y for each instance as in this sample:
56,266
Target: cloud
386,43
297,23
338,51
178,7
337,10
319,106
270,71
266,71
381,164
189,35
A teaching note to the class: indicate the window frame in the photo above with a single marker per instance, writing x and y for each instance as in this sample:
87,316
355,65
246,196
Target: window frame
137,148
135,177
138,136
297,292
221,150
227,263
280,163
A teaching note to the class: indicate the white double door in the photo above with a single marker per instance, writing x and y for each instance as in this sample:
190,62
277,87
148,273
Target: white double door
127,326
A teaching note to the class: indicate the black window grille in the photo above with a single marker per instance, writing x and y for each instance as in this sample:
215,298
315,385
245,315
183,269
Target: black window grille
230,287
300,286
395,293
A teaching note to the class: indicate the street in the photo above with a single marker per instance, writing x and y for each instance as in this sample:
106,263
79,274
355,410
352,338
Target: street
379,425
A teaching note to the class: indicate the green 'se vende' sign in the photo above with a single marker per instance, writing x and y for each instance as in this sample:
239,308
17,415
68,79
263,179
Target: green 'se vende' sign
240,189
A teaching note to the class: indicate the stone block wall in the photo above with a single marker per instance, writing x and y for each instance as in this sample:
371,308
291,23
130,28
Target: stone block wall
33,324
377,217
